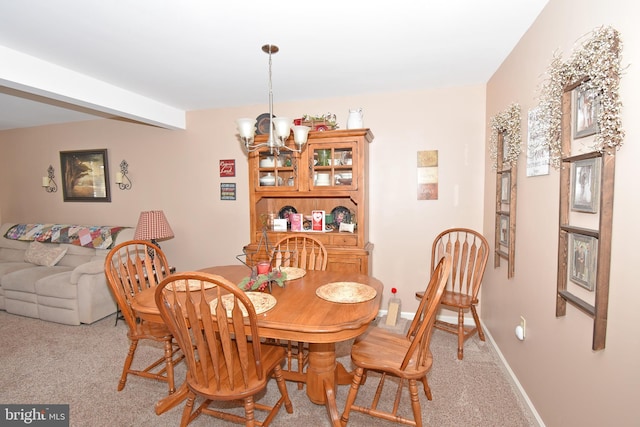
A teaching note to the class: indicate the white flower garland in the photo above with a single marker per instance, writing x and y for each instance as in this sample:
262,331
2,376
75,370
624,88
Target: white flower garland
597,61
507,122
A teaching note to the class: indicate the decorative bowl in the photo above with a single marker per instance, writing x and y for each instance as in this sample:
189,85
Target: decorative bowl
268,180
269,162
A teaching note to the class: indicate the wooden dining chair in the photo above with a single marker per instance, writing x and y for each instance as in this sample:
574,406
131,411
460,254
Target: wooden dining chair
406,357
304,252
225,357
469,251
130,268
308,253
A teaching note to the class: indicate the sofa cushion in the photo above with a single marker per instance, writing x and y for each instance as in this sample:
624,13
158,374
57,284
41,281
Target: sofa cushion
9,267
11,254
56,285
25,280
76,255
41,254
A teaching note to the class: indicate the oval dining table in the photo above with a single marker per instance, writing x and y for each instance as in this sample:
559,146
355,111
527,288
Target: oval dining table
298,315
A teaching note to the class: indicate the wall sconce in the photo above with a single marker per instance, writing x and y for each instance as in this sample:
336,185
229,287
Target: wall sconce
122,179
47,181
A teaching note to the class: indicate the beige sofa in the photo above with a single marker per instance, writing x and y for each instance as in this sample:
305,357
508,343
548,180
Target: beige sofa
72,291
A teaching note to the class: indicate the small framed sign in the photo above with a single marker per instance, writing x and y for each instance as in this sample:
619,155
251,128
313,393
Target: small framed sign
227,191
227,168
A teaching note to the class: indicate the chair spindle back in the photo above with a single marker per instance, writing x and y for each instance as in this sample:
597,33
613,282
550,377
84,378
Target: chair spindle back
469,251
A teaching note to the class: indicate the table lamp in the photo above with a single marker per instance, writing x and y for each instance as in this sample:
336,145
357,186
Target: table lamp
153,226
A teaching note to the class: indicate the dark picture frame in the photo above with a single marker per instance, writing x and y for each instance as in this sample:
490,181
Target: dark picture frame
583,255
585,185
586,107
85,176
227,191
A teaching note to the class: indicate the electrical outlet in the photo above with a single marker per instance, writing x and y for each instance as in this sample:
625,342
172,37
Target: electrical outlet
523,325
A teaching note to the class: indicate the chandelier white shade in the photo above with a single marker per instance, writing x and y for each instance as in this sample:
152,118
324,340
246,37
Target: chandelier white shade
279,127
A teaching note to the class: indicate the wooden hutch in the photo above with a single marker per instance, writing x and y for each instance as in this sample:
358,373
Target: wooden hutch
331,172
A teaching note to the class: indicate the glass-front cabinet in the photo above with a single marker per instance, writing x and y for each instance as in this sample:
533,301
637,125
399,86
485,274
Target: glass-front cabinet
330,175
318,167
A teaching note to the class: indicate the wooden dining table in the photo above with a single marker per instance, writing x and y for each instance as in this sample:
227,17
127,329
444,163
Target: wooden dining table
299,315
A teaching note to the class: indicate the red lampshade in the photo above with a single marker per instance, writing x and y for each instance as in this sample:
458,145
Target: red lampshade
153,225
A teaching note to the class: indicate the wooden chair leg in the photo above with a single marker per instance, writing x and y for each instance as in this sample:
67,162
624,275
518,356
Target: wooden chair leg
168,356
249,414
186,412
351,398
300,362
460,334
415,402
477,320
427,389
127,364
282,386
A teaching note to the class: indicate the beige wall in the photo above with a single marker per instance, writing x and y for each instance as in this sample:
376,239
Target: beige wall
177,171
569,384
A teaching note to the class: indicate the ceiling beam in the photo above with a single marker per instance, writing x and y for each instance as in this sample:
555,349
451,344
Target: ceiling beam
34,76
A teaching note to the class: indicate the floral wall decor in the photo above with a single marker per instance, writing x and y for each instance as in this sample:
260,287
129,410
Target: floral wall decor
507,122
594,65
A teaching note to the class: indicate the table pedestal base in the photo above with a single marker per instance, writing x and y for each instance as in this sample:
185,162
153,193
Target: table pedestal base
323,371
322,366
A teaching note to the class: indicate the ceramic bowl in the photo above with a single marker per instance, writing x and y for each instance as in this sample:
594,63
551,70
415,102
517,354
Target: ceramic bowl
268,180
269,162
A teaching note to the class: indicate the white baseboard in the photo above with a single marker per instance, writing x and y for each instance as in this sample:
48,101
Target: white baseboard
523,393
469,321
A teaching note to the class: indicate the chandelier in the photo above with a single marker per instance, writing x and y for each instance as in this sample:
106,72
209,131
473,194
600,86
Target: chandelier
279,127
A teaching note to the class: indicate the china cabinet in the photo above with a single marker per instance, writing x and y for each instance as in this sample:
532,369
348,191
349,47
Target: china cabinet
330,175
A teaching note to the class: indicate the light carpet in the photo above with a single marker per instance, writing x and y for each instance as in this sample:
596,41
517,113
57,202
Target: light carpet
48,363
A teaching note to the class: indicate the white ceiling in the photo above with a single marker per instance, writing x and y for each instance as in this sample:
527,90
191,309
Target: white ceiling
151,60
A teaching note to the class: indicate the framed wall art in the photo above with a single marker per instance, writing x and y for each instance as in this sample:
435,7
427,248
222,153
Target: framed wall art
505,192
227,191
504,230
594,69
428,175
586,106
537,149
227,168
85,176
585,185
583,251
505,148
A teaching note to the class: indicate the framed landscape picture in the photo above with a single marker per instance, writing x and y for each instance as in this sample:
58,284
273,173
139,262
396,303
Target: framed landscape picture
85,176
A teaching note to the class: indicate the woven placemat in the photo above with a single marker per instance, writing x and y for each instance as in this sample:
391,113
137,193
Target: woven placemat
194,285
262,302
346,292
293,273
